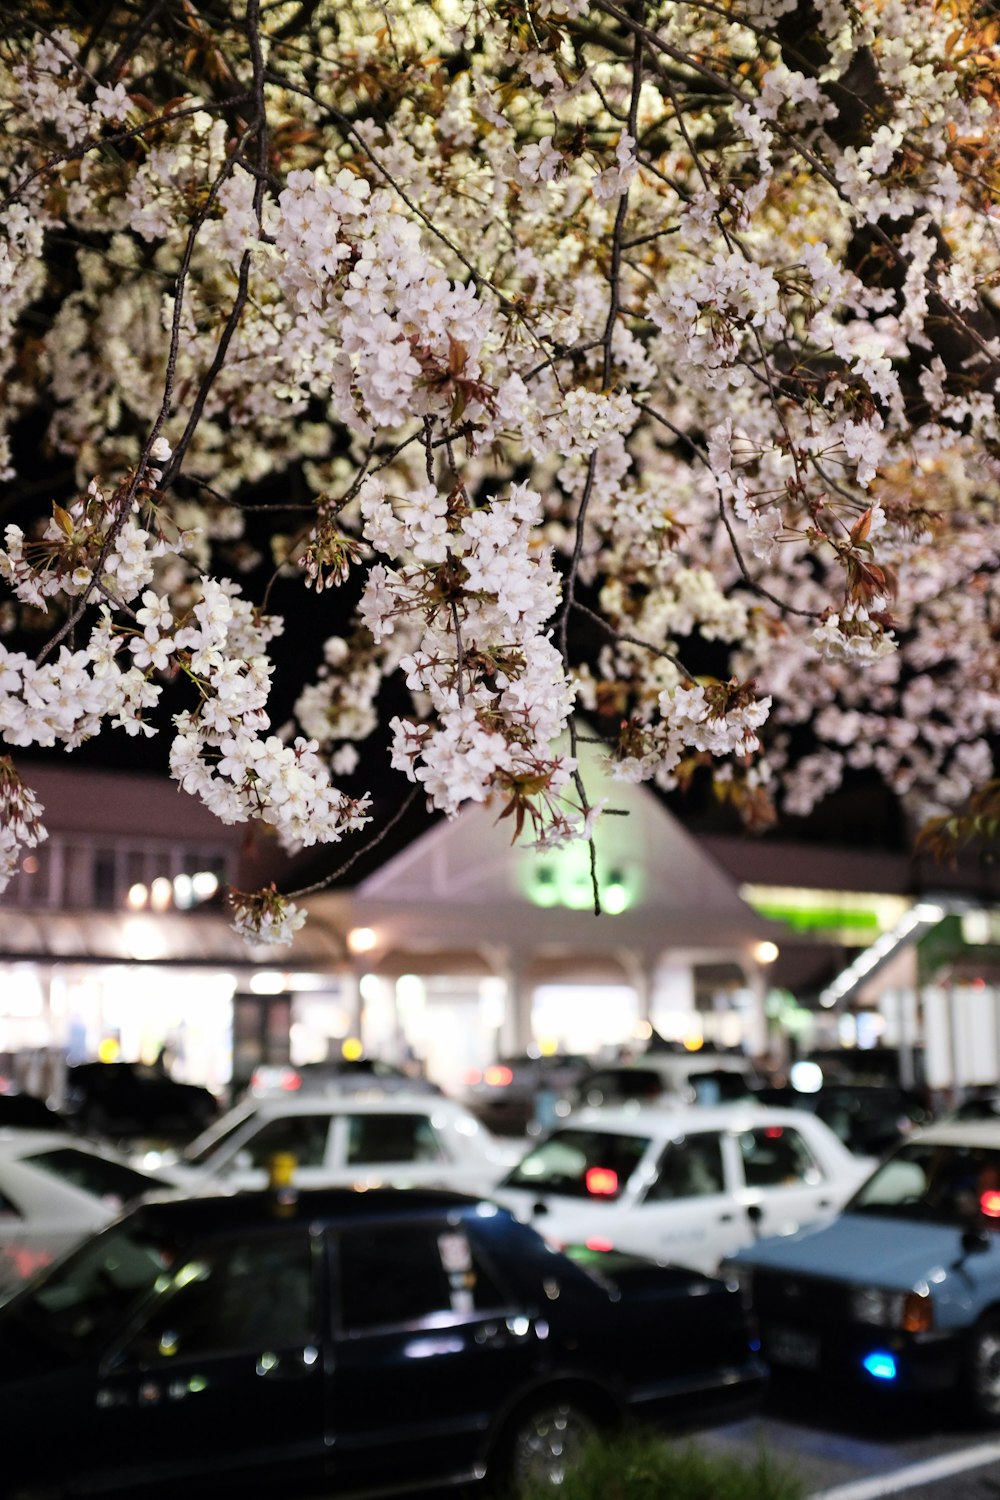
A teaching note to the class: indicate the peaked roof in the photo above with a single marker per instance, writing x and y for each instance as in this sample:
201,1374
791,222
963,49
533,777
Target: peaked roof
464,882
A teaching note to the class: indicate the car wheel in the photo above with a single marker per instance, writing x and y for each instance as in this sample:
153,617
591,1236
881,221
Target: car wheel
544,1442
983,1367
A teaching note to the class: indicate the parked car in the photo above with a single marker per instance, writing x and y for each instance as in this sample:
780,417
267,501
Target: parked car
516,1095
396,1140
664,1078
338,1076
687,1186
362,1343
870,1118
54,1191
27,1112
129,1099
902,1290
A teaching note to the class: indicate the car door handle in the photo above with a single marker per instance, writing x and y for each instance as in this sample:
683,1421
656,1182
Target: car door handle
725,1218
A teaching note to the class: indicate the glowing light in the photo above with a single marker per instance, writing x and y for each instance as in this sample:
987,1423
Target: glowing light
137,896
183,891
498,1077
362,939
806,1077
693,1043
144,939
880,1364
204,884
267,982
352,1049
614,897
766,952
596,1243
161,894
30,864
989,1202
109,1049
602,1182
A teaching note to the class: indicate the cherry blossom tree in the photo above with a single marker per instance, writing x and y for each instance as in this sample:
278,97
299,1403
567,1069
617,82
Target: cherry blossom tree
593,342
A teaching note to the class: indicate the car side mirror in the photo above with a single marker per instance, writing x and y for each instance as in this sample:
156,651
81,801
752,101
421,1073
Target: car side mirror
975,1239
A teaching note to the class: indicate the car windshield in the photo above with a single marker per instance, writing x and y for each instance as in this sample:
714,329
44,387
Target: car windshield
78,1304
937,1182
581,1164
204,1146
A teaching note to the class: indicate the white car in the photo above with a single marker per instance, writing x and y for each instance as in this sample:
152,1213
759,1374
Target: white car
396,1140
687,1186
54,1191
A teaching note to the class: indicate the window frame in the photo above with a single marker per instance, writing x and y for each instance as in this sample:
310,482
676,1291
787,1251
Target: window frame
116,1357
443,1317
649,1194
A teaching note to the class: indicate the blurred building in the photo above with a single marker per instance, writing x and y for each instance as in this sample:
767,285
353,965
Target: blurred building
114,937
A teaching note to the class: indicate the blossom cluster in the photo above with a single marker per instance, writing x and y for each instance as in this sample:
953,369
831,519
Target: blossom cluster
563,357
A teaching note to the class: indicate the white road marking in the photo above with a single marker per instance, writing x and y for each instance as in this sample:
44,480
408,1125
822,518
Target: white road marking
914,1474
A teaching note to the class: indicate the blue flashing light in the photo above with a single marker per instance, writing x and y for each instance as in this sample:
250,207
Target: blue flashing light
881,1365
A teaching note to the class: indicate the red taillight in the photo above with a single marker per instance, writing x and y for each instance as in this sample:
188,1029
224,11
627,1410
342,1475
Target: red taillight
598,1244
601,1181
290,1080
473,1076
989,1202
774,1132
498,1076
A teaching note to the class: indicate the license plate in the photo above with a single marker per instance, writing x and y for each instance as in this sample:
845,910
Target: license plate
788,1346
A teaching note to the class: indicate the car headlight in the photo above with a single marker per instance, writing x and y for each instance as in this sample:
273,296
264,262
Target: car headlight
911,1312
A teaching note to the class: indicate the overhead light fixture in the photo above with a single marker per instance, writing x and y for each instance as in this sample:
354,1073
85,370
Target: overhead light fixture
362,939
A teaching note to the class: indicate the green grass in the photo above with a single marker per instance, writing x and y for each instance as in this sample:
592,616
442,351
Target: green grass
641,1466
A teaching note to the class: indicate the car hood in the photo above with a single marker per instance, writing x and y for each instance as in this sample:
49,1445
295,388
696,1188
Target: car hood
893,1252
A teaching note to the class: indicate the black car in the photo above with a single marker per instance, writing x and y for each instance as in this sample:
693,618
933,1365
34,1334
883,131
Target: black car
134,1099
520,1095
361,1343
27,1112
870,1118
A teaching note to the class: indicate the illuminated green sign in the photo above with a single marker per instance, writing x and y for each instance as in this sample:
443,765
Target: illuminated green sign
562,878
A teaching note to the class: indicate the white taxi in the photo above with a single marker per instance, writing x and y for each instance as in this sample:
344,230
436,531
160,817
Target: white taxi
391,1140
683,1186
54,1191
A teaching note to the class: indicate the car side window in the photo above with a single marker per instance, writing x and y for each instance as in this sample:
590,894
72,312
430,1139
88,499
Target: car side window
238,1297
8,1210
381,1139
423,1274
301,1136
690,1168
775,1156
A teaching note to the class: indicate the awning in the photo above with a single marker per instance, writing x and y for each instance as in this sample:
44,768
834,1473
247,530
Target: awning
192,939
